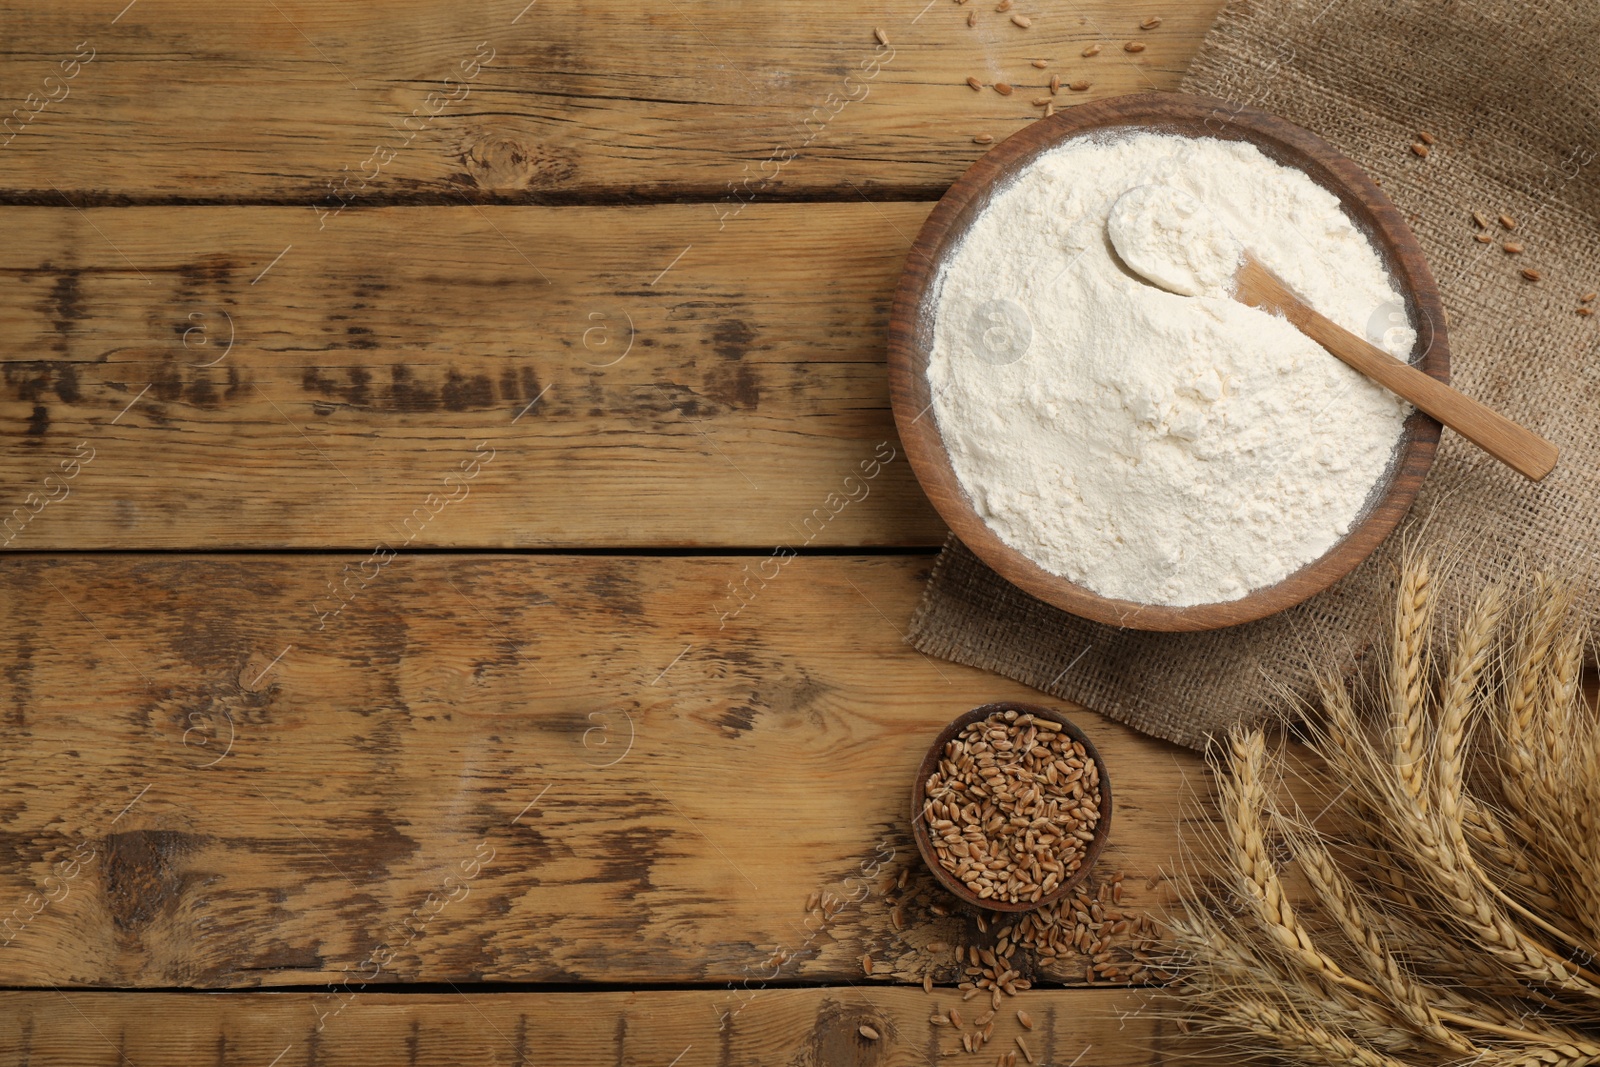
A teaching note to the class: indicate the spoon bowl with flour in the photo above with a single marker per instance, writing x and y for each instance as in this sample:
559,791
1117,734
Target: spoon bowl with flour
1172,240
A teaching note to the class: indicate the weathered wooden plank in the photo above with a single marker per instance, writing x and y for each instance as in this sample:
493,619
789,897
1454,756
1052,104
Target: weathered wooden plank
698,1028
344,103
545,769
480,377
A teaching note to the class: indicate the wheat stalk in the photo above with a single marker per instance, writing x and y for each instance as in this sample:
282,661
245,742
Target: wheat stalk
1458,923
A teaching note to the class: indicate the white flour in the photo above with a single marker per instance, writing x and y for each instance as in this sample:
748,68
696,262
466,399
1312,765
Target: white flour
1159,448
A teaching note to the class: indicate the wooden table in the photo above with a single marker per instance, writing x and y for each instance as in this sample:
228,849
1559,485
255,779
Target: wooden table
403,404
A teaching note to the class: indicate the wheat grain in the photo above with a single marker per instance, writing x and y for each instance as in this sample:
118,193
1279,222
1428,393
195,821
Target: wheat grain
1031,814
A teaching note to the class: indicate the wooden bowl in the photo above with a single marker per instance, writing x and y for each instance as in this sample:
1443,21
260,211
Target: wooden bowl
911,340
930,763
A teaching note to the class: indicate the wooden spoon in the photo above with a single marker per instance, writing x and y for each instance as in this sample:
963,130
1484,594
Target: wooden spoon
1171,261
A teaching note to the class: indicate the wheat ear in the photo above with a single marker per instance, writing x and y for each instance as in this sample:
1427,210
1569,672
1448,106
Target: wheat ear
1563,1055
1546,794
1456,707
1293,1034
1440,898
1430,848
1338,898
1532,887
1243,800
1408,675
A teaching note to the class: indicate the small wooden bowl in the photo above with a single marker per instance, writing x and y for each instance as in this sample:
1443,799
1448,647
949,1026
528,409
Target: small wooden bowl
930,763
911,340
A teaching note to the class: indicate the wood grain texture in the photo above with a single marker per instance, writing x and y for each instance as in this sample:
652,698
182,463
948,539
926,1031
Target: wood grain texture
633,371
291,100
699,1028
487,768
911,342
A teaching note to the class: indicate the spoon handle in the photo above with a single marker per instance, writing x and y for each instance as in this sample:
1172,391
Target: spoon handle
1516,446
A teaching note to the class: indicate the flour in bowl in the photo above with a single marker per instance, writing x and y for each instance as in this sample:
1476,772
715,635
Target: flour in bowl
1152,447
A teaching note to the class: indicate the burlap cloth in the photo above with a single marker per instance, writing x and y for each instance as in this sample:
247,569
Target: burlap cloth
1511,92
